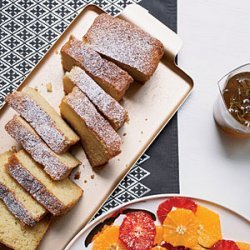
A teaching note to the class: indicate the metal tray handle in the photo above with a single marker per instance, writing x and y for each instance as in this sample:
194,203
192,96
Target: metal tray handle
141,17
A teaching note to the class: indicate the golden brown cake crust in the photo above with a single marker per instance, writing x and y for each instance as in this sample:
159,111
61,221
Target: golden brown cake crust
16,207
94,121
39,120
21,131
126,44
100,69
105,104
34,187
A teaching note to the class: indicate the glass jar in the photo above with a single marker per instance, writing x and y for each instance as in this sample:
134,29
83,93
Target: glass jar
232,107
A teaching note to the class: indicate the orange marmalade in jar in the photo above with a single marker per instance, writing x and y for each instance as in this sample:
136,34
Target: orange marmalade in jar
232,108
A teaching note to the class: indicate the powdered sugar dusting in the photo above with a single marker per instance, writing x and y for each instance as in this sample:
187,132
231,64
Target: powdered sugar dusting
107,105
39,120
96,66
16,207
125,43
37,190
40,152
94,121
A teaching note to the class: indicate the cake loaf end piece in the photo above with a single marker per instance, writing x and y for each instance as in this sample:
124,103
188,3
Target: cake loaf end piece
128,46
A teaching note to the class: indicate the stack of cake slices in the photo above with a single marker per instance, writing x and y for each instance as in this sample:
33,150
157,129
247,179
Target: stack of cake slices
34,182
112,54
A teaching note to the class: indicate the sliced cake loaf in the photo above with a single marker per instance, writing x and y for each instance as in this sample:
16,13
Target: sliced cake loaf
109,76
125,44
43,118
15,235
106,105
57,197
16,199
100,141
57,166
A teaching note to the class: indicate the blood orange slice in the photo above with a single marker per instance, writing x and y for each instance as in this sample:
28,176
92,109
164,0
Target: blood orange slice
175,202
137,231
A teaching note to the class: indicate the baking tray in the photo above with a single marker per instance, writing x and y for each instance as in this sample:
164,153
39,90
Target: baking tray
150,106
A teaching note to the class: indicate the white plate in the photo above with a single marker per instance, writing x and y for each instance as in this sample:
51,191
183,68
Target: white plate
234,226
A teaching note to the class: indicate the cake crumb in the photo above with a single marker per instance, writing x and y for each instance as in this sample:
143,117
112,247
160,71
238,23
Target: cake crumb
146,119
14,149
85,181
36,89
49,87
92,176
57,52
77,175
124,134
141,132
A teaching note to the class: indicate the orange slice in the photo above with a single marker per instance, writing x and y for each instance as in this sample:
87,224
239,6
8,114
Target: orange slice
159,235
209,227
243,246
180,228
108,239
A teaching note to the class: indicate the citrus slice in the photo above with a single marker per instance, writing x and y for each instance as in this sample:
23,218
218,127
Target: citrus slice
137,231
108,239
243,246
225,245
159,235
174,202
209,227
180,228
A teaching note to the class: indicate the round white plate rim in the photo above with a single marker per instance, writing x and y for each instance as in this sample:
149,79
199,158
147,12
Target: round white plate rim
143,199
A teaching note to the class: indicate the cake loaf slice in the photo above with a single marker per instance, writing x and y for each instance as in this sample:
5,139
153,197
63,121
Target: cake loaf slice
43,118
57,197
100,141
14,235
56,166
16,199
106,105
109,76
125,44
